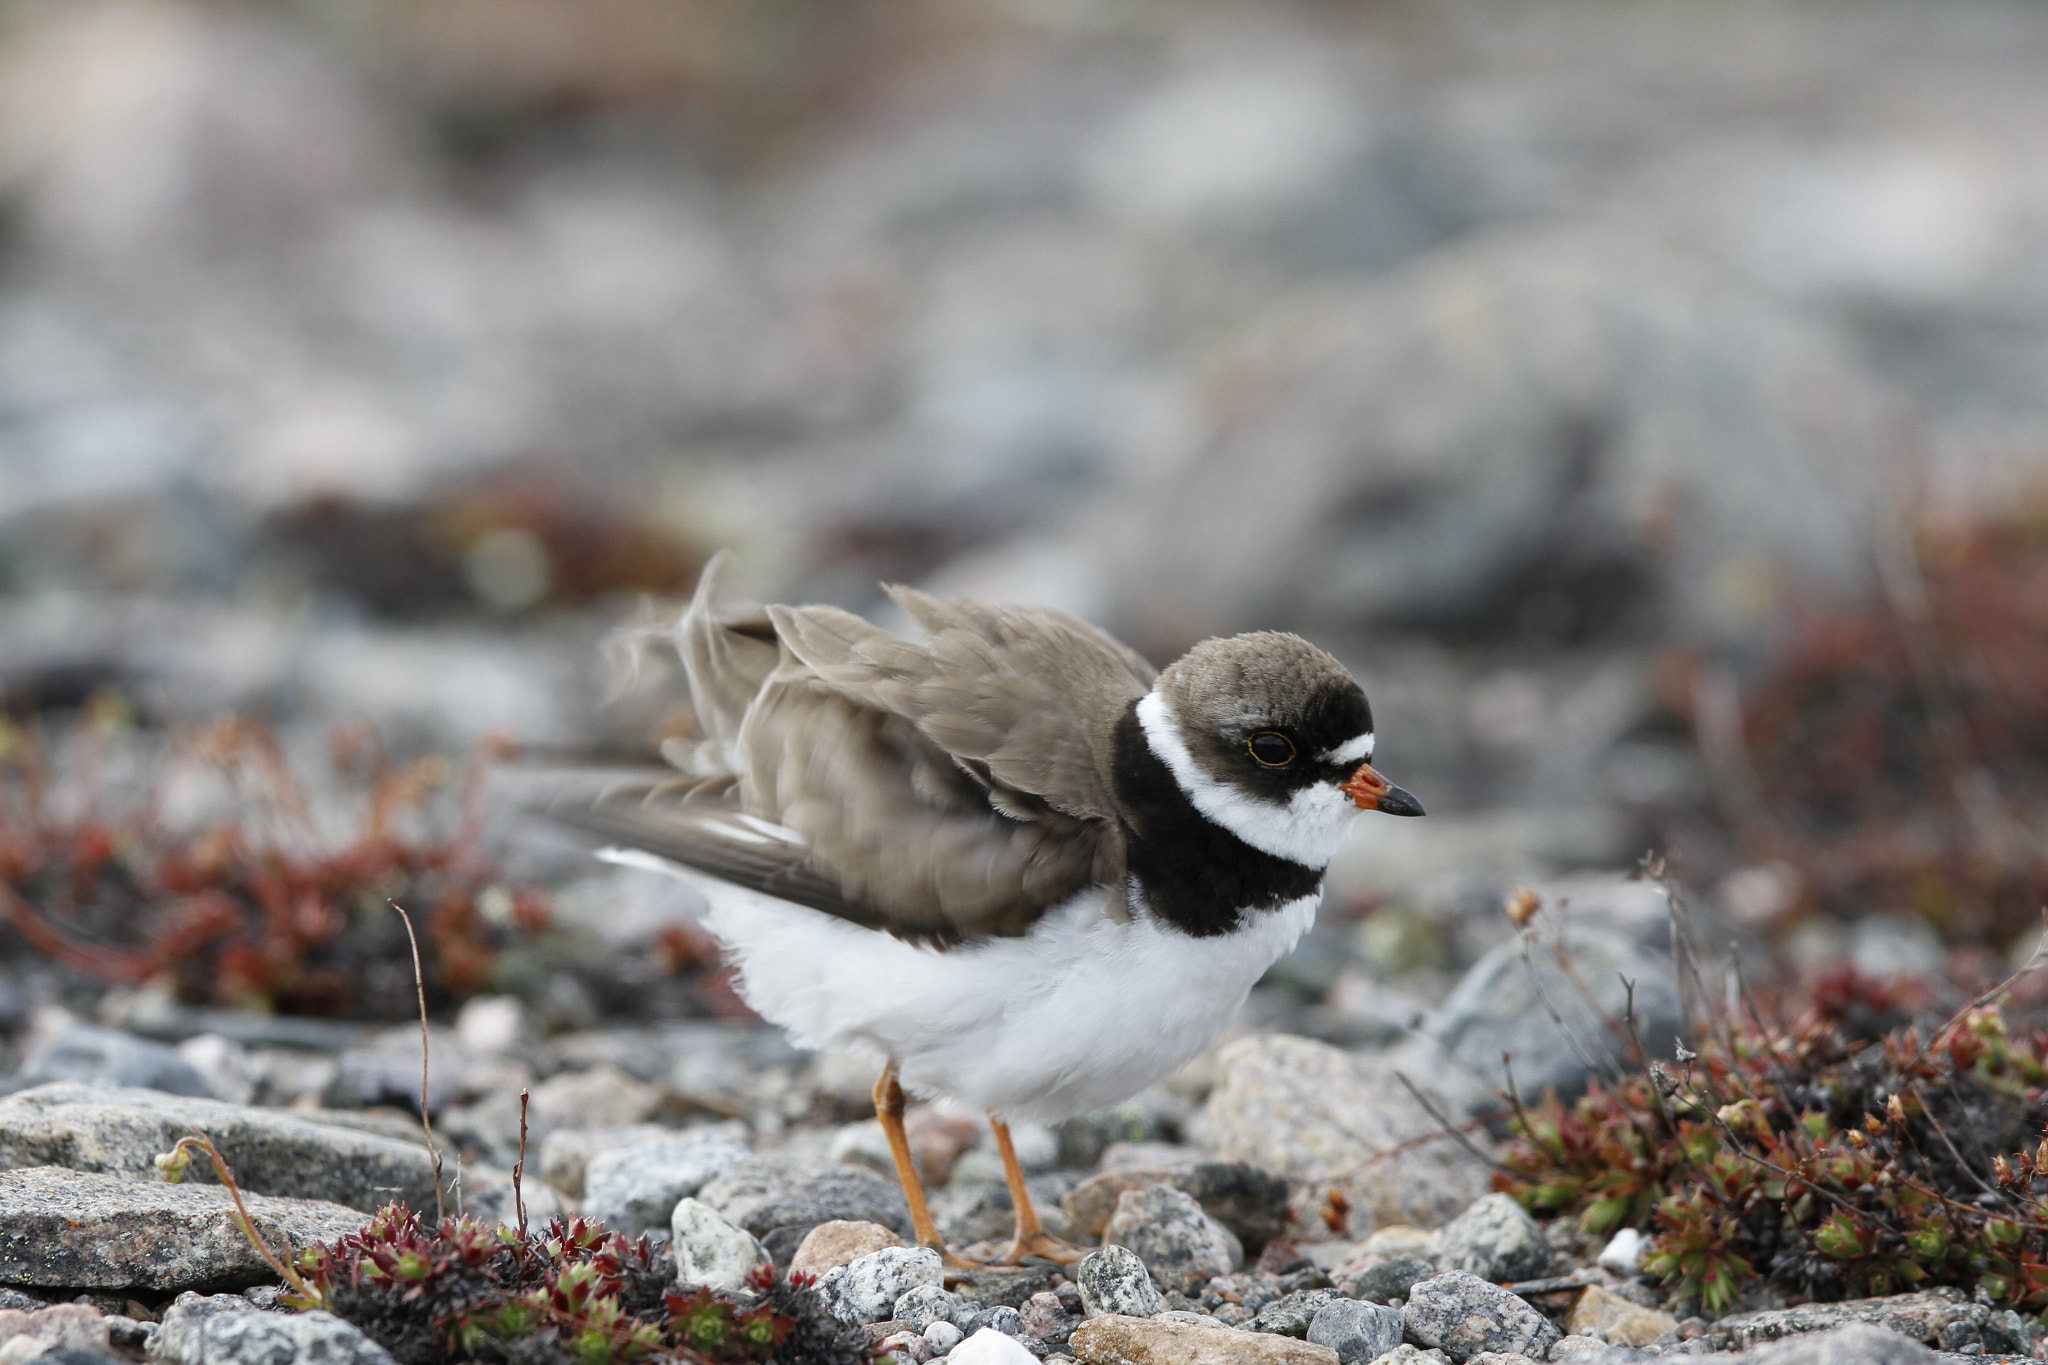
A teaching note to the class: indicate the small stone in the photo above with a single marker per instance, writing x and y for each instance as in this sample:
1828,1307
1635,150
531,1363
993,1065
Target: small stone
764,1193
1290,1314
91,1055
229,1072
1000,1318
709,1250
990,1347
1495,1239
1357,1331
1599,1313
1249,1201
1181,1245
866,1289
1465,1315
901,1344
122,1132
73,1326
926,1304
495,1023
1500,1358
1407,1353
1391,1279
226,1329
76,1230
1114,1280
1116,1339
1623,1252
1043,1319
1397,1239
832,1244
943,1336
633,1189
1571,1345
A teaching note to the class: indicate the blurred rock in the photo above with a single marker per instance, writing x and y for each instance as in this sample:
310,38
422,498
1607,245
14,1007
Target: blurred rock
634,1188
59,1328
1392,1279
1117,1339
230,1073
1512,999
1307,1111
565,1153
1495,1239
494,1023
102,1056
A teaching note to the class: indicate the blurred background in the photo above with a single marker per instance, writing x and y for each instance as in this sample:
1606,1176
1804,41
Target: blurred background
1645,399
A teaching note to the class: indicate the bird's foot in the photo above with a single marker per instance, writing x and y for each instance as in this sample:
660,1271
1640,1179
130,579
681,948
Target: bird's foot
1040,1245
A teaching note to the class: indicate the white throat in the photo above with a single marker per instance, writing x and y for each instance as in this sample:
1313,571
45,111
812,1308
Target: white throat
1306,830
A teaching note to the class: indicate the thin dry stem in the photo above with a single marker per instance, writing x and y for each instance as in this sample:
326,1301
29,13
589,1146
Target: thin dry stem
285,1270
519,1170
419,985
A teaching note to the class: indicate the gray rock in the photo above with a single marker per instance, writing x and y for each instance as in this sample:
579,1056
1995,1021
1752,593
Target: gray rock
390,1075
1001,1318
566,1153
1391,1279
942,1336
1464,1315
1316,1114
121,1133
1858,1343
1251,1202
226,1329
1114,1280
929,1303
1504,1004
75,1230
635,1188
1357,1331
1290,1314
1925,1316
1181,1245
709,1249
1495,1239
91,1055
766,1193
866,1289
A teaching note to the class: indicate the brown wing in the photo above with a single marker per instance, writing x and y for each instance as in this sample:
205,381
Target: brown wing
939,790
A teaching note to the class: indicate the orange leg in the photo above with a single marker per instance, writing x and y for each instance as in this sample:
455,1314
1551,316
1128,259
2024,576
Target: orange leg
1031,1240
889,1109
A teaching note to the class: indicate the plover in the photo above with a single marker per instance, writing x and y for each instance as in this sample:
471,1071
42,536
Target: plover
1017,865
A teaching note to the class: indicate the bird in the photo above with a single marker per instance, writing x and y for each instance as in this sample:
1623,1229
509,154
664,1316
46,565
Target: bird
1004,856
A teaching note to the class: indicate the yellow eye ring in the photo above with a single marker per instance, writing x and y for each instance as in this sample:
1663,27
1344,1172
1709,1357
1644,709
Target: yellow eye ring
1270,749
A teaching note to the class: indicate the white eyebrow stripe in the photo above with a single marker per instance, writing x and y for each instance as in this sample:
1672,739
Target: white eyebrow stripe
1353,751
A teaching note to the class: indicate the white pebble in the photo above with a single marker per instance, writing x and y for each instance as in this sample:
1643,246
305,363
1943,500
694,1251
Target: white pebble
943,1336
990,1347
1624,1253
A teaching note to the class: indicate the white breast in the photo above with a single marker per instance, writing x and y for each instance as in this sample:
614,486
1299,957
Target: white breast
1080,1014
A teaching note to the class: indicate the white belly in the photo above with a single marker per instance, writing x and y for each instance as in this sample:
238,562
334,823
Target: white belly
1080,1014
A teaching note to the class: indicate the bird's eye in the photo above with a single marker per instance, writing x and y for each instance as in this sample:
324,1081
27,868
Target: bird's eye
1271,749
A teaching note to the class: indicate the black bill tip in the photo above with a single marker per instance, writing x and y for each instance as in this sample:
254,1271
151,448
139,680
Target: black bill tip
1398,801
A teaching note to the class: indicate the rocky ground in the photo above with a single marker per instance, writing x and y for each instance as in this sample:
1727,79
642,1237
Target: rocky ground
1282,1199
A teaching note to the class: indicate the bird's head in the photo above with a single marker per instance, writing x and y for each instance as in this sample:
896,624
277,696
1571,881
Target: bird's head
1272,739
